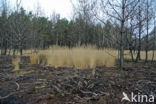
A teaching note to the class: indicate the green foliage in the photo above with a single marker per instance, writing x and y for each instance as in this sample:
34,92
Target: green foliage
30,31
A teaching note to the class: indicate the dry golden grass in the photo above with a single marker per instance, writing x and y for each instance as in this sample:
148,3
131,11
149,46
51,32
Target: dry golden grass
16,62
34,59
81,57
150,55
78,57
38,59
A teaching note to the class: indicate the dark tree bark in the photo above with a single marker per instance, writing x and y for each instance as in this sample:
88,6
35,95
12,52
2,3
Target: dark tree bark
140,27
147,36
154,36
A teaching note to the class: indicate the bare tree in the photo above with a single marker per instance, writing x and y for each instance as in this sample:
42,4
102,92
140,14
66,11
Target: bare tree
154,31
84,16
154,38
148,14
19,24
120,10
140,27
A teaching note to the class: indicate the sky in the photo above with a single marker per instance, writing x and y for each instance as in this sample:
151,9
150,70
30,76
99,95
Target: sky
63,7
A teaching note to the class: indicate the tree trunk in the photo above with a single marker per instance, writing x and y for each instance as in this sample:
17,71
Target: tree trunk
122,33
131,52
21,51
140,27
146,59
154,34
14,50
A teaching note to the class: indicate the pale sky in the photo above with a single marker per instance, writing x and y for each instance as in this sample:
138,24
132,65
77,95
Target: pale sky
63,7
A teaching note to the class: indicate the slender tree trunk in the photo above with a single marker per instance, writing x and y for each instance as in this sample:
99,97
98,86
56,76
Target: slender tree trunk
131,52
154,34
146,58
140,27
122,35
21,51
5,50
14,50
2,46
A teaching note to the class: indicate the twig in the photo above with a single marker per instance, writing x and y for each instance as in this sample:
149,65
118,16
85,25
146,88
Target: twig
7,95
18,87
12,93
88,92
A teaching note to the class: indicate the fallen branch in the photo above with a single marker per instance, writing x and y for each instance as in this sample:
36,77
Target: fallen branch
88,92
12,93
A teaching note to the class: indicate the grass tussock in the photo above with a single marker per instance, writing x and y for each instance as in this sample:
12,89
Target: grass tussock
16,63
38,59
79,57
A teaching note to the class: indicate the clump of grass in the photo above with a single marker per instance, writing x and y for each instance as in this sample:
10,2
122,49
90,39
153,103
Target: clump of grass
81,57
34,59
16,63
38,59
42,59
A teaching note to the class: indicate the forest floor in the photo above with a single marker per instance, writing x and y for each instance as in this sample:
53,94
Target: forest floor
36,84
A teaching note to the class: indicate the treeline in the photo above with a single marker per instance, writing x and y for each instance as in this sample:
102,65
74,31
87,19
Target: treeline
21,30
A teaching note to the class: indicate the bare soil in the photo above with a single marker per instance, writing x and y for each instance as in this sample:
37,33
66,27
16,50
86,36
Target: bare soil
37,84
